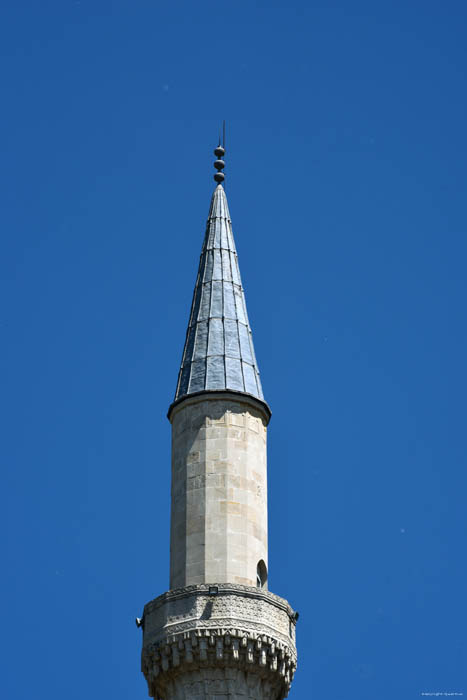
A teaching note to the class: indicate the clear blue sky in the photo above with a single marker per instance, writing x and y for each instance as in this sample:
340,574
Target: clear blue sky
346,179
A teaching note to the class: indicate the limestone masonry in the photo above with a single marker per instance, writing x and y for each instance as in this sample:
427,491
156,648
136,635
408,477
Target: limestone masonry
219,529
218,633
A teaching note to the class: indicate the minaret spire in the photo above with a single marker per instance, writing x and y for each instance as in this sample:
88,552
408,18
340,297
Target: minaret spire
219,353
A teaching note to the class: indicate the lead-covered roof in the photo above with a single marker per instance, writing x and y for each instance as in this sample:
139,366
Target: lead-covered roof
218,353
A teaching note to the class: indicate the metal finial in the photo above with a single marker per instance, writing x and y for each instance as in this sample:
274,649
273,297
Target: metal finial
219,164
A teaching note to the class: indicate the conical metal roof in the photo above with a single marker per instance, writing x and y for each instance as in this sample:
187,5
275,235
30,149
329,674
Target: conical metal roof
218,353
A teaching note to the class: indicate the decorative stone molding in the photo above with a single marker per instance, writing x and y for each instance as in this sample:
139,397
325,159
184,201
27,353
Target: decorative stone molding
240,637
214,395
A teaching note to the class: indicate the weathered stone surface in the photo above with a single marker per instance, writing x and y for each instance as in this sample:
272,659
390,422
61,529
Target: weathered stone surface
219,490
220,641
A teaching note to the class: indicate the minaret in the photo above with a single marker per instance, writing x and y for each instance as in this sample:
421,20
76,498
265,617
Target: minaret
218,633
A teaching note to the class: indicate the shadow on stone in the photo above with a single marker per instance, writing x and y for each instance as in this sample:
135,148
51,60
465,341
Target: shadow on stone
207,612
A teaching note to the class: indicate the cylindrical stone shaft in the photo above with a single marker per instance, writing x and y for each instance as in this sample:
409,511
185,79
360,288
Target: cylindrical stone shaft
219,491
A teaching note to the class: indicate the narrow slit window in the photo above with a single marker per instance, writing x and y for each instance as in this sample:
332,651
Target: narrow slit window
261,575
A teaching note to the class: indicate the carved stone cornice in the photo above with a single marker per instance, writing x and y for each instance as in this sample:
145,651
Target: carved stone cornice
247,633
221,395
203,589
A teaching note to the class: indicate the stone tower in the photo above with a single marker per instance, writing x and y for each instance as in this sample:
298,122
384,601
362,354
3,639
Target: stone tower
218,633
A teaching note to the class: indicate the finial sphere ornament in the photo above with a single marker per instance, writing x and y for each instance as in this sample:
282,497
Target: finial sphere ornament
219,164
